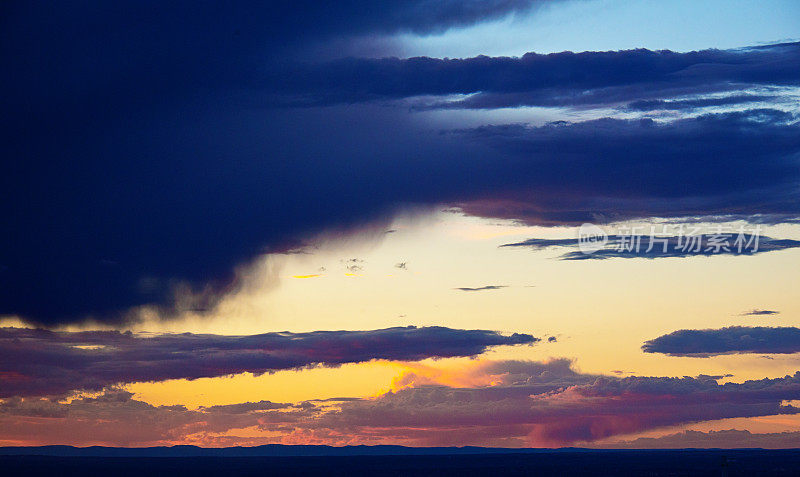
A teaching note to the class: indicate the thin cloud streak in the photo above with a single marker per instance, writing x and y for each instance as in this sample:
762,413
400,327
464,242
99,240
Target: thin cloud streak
483,288
757,312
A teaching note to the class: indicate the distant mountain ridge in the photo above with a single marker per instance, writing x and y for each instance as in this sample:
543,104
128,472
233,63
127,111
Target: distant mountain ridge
281,450
270,450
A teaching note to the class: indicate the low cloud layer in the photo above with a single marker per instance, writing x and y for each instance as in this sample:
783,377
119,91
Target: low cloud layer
515,403
40,362
733,339
726,439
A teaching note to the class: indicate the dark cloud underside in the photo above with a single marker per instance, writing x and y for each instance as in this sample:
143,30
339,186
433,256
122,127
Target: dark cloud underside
757,312
733,339
483,288
641,76
40,362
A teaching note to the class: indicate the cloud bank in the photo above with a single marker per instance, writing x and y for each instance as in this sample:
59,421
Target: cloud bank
558,79
155,150
515,403
41,362
727,439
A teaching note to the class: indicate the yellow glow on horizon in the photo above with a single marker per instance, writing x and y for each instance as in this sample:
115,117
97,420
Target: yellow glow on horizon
350,380
601,312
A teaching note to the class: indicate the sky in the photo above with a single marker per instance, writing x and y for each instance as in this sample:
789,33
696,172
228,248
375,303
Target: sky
506,223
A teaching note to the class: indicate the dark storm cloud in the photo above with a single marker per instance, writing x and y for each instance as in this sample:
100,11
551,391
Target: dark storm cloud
640,246
557,79
124,219
733,339
41,362
143,159
139,157
609,169
487,287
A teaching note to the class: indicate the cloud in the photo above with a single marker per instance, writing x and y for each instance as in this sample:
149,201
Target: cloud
757,312
549,175
158,165
557,79
116,418
353,265
678,105
549,375
484,288
733,339
515,403
40,362
555,406
726,439
618,169
646,246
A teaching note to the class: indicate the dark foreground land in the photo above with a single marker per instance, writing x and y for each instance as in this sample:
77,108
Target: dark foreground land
541,463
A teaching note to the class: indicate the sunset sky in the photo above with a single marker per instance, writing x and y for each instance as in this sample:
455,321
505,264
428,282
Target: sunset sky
365,223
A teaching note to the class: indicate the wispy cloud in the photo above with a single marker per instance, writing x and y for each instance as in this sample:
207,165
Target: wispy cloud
483,288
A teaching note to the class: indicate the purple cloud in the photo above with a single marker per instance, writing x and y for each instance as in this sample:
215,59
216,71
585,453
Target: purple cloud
41,362
725,439
529,404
